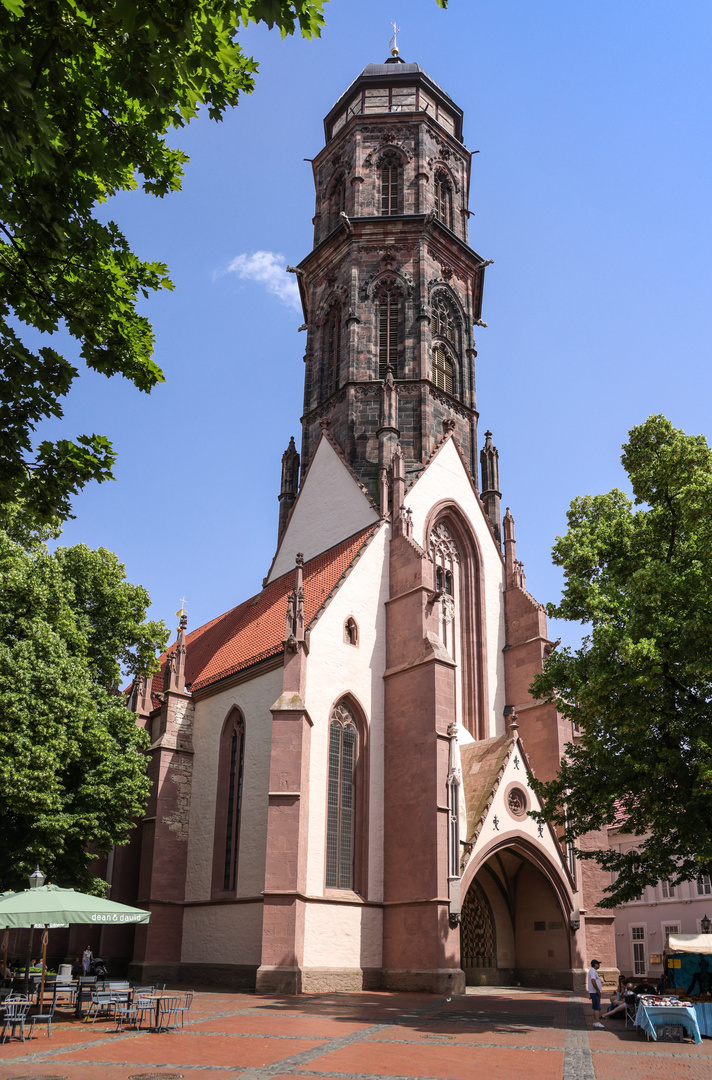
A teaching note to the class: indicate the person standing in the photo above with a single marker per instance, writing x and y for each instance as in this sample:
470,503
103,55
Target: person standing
595,989
87,959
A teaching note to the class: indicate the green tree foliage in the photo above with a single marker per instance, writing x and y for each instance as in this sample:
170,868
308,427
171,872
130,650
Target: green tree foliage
88,91
640,687
72,772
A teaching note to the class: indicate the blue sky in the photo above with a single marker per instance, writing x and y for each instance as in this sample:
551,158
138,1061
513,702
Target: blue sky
591,192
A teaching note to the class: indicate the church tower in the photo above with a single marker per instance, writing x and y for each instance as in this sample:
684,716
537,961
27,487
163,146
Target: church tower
343,763
391,289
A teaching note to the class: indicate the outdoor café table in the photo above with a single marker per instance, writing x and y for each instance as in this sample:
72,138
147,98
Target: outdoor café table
166,1005
650,1015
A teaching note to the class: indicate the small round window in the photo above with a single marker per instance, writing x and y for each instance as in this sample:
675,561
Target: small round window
517,801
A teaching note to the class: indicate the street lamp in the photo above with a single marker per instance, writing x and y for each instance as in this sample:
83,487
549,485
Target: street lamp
37,879
705,925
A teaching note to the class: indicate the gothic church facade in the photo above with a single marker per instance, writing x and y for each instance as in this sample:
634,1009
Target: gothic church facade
342,763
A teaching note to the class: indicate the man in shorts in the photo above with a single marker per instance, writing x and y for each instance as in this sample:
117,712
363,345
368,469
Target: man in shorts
595,989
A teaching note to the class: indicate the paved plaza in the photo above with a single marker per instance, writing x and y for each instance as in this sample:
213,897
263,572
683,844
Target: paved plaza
495,1034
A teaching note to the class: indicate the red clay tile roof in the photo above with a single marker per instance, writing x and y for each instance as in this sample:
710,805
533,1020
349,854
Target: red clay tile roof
254,630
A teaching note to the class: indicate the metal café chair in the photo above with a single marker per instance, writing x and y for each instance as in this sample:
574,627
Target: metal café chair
16,1011
167,1011
102,1004
44,1018
183,1009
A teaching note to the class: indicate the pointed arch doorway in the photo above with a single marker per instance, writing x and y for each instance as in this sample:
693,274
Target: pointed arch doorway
514,928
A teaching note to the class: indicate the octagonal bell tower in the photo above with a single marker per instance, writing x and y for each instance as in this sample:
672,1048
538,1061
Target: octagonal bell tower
391,289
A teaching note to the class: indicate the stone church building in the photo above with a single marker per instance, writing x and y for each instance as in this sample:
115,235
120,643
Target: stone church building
341,764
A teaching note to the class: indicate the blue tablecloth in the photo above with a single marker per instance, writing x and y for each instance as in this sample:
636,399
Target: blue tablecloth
649,1015
704,1018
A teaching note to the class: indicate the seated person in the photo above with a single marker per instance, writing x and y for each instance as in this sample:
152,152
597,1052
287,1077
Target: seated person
617,1008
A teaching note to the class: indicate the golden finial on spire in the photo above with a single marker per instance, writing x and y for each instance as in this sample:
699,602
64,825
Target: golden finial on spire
394,43
182,614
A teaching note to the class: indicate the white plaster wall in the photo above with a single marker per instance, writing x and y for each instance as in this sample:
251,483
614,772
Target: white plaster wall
254,699
508,824
446,477
336,668
343,935
330,507
222,934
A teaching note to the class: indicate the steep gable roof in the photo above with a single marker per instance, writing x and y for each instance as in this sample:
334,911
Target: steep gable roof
482,765
254,630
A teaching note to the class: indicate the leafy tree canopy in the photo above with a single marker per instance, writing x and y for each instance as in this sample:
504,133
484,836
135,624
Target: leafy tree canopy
639,689
72,774
88,91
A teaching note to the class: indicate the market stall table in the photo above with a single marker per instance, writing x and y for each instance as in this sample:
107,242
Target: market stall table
703,1012
655,1013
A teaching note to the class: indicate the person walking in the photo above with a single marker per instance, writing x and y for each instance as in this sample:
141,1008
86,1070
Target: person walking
595,989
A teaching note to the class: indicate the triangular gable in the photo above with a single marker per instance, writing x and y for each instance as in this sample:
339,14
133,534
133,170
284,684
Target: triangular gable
331,505
495,775
446,472
254,630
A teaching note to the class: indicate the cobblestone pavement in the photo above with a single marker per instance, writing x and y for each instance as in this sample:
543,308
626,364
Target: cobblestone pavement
491,1033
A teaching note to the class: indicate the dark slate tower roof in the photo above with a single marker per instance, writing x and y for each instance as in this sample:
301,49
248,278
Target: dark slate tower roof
395,73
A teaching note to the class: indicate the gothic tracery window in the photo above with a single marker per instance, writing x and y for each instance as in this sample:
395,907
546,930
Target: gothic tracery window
332,351
445,560
443,199
442,369
443,326
387,331
229,804
341,801
337,201
391,184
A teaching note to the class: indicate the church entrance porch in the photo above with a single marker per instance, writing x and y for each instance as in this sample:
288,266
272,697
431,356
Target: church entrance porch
513,930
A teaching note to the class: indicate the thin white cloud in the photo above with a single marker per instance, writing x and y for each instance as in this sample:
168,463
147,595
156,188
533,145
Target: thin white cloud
269,269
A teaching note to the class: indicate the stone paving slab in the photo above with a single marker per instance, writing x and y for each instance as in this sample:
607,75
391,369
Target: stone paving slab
493,1034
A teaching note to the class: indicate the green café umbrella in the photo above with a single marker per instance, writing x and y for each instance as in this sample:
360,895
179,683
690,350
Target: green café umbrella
51,904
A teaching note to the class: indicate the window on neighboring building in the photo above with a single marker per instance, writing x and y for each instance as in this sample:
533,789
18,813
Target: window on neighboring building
387,332
704,887
637,938
670,928
442,369
391,196
341,803
443,199
667,890
229,804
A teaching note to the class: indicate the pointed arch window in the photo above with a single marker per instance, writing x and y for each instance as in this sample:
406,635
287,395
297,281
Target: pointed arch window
228,806
443,199
442,369
443,319
340,825
388,330
391,187
332,351
445,560
337,201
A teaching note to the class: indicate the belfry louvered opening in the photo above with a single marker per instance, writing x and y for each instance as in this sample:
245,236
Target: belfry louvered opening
387,333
